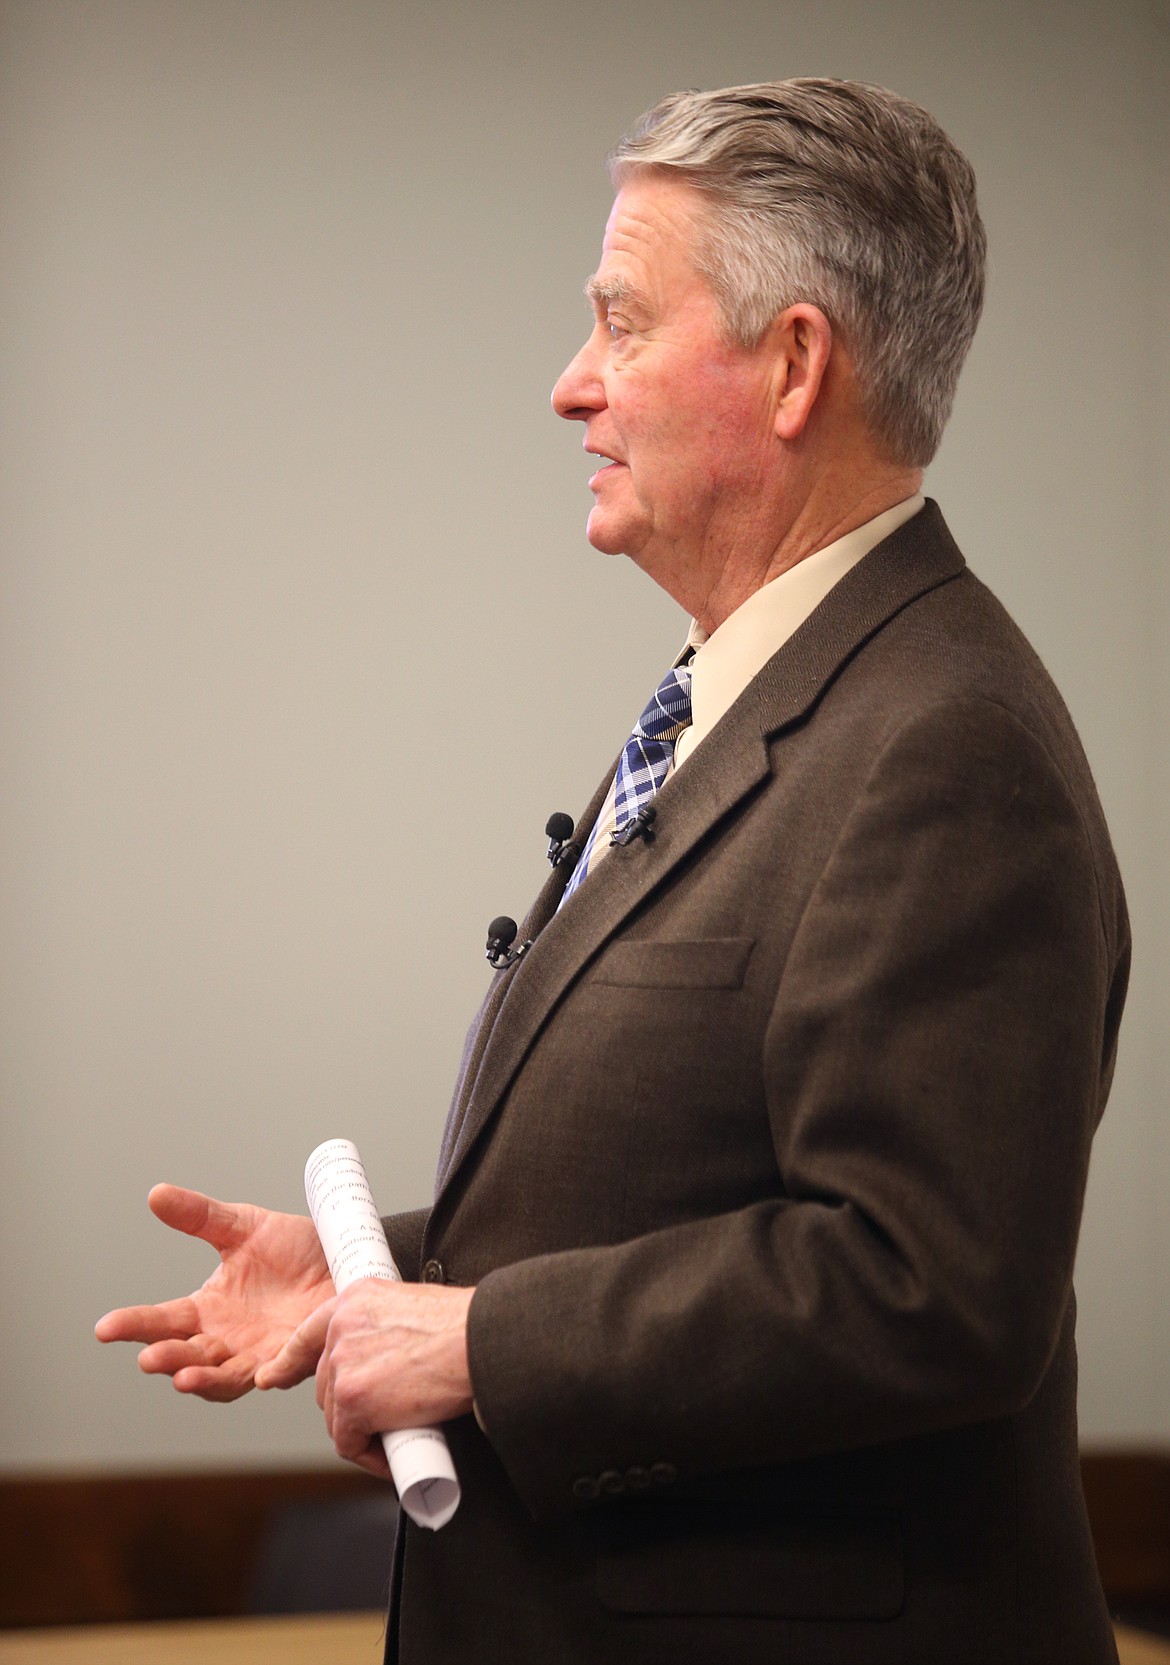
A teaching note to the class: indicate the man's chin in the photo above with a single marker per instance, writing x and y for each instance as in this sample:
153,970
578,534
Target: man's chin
607,537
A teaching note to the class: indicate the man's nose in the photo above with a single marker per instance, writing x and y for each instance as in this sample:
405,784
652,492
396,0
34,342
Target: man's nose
578,392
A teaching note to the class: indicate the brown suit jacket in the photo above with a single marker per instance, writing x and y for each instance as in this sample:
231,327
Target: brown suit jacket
768,1160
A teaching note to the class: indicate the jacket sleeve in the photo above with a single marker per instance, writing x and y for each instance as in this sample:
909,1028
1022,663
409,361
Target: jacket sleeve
939,1049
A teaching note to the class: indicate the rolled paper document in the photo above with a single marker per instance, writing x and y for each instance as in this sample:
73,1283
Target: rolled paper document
347,1222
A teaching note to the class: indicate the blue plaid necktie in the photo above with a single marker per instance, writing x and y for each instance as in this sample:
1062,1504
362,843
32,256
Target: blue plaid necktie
645,762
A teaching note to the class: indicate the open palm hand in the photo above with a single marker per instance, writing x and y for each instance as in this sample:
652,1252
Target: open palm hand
271,1276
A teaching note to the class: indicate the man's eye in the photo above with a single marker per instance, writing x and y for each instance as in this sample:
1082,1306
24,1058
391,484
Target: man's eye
616,330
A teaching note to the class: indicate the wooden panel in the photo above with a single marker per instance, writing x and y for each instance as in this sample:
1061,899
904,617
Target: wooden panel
82,1549
143,1546
1128,1496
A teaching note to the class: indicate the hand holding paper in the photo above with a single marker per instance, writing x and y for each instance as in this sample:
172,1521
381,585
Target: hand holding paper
355,1246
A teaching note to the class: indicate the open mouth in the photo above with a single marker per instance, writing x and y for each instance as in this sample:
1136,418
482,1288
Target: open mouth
608,464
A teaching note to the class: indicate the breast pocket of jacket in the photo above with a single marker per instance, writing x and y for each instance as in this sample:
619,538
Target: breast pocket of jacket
709,963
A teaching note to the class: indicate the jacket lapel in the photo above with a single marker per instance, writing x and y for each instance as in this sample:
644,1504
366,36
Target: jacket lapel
732,761
687,809
537,918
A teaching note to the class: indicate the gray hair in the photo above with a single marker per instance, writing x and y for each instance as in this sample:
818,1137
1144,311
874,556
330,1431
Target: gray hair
848,197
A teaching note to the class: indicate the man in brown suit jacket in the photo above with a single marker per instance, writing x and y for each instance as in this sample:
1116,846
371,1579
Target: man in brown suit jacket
746,1290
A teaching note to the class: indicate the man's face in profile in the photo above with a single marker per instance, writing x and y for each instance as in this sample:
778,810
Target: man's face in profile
683,414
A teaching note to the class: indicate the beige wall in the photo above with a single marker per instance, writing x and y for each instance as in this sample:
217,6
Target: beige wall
300,638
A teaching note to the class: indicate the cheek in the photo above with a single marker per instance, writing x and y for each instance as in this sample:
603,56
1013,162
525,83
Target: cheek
714,451
688,434
733,431
666,427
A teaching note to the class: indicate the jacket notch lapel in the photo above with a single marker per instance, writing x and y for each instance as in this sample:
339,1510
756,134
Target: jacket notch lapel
689,806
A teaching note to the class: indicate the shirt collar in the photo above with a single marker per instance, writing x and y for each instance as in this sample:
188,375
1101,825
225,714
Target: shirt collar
724,662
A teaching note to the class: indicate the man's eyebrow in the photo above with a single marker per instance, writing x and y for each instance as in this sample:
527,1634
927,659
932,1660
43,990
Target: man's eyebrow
615,291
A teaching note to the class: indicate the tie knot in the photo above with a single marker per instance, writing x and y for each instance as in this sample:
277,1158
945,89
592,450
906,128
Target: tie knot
669,710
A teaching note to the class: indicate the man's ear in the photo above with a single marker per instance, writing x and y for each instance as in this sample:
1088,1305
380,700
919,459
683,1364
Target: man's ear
802,341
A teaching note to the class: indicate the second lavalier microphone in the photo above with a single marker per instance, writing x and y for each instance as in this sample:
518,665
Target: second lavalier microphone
639,826
559,830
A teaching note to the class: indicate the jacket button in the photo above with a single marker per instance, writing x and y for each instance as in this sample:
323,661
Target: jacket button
433,1272
638,1479
611,1482
663,1474
585,1488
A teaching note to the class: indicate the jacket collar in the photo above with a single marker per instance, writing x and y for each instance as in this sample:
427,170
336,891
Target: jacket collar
731,763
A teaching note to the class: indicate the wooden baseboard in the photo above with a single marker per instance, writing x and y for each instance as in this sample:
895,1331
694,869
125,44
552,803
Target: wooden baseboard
79,1550
1128,1497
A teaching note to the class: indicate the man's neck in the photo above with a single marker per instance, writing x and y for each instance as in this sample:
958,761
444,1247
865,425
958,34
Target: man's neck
825,514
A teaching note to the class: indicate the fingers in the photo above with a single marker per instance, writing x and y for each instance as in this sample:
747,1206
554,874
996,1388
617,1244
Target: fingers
298,1357
351,1439
203,1365
166,1358
373,1459
347,1419
221,1224
167,1321
229,1381
199,1364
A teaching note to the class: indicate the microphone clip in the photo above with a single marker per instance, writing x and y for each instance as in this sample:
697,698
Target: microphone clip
640,826
501,935
559,831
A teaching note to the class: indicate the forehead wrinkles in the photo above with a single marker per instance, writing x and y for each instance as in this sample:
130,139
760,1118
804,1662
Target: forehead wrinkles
650,239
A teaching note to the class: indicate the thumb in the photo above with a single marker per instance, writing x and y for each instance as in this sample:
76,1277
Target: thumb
221,1224
298,1357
